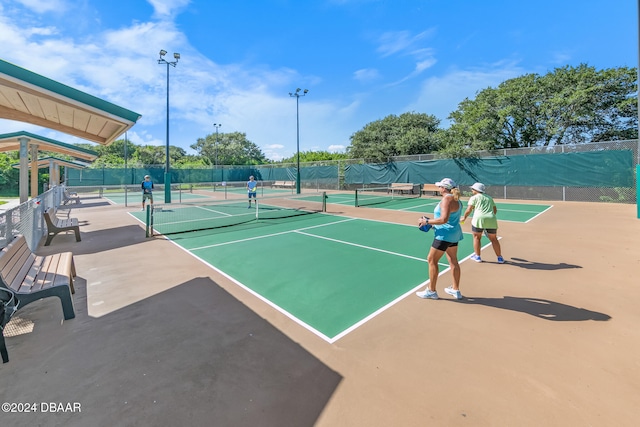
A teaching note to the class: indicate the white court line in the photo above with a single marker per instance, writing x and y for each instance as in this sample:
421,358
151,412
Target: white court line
360,246
257,295
342,202
418,206
269,235
294,318
531,219
197,220
213,210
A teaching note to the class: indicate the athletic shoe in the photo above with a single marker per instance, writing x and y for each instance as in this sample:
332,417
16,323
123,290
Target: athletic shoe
476,258
142,209
500,260
453,293
428,294
248,207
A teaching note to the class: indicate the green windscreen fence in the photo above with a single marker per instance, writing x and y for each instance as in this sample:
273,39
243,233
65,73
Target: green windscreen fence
588,169
320,176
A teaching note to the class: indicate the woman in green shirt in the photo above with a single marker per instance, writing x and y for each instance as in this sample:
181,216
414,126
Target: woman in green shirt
484,219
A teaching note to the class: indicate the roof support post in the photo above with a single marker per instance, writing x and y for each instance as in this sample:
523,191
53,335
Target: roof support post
24,169
52,173
34,170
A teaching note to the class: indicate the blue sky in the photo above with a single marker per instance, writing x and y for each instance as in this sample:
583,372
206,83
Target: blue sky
361,60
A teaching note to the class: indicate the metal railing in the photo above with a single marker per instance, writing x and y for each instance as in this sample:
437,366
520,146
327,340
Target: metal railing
28,219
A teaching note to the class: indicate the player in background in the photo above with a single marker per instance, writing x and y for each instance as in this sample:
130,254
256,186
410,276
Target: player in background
484,219
252,189
147,190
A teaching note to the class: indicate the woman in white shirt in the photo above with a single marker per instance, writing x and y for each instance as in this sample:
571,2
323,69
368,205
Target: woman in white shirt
484,219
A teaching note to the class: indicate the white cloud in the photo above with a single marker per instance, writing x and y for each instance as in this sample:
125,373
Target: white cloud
165,8
366,75
400,42
440,95
42,6
336,148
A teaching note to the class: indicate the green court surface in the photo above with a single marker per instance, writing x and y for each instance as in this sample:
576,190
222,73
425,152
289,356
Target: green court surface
328,273
515,212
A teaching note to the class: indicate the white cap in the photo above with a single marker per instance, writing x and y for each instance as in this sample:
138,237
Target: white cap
447,183
478,186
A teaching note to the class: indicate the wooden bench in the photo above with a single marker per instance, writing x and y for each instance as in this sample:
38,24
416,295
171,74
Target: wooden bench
68,197
402,186
30,277
56,225
428,188
284,184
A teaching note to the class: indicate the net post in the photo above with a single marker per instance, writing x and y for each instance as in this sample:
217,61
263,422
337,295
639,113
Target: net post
148,222
356,198
324,201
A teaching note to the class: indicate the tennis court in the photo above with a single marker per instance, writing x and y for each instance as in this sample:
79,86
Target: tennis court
328,273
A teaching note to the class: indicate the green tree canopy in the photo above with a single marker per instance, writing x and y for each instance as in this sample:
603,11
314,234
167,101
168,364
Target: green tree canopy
568,105
231,149
315,156
409,133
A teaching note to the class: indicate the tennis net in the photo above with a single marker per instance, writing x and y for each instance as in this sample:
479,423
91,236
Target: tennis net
385,194
207,215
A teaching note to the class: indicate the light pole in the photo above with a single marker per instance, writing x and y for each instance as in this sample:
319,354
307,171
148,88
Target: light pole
297,94
217,126
167,176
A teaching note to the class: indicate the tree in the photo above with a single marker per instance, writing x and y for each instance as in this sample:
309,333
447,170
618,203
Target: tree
231,149
568,105
315,156
113,154
409,133
9,176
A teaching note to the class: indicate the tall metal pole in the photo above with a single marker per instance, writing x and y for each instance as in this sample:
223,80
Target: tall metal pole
297,94
126,175
167,175
298,144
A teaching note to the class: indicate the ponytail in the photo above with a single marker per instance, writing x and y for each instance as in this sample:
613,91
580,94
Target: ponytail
456,193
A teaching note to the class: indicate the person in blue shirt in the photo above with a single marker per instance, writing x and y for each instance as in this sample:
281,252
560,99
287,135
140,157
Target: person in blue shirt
252,185
147,190
447,234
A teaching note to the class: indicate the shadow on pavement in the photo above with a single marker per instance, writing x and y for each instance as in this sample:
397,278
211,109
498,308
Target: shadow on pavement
542,308
193,355
532,265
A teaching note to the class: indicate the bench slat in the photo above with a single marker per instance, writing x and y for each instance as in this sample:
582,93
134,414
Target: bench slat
13,270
